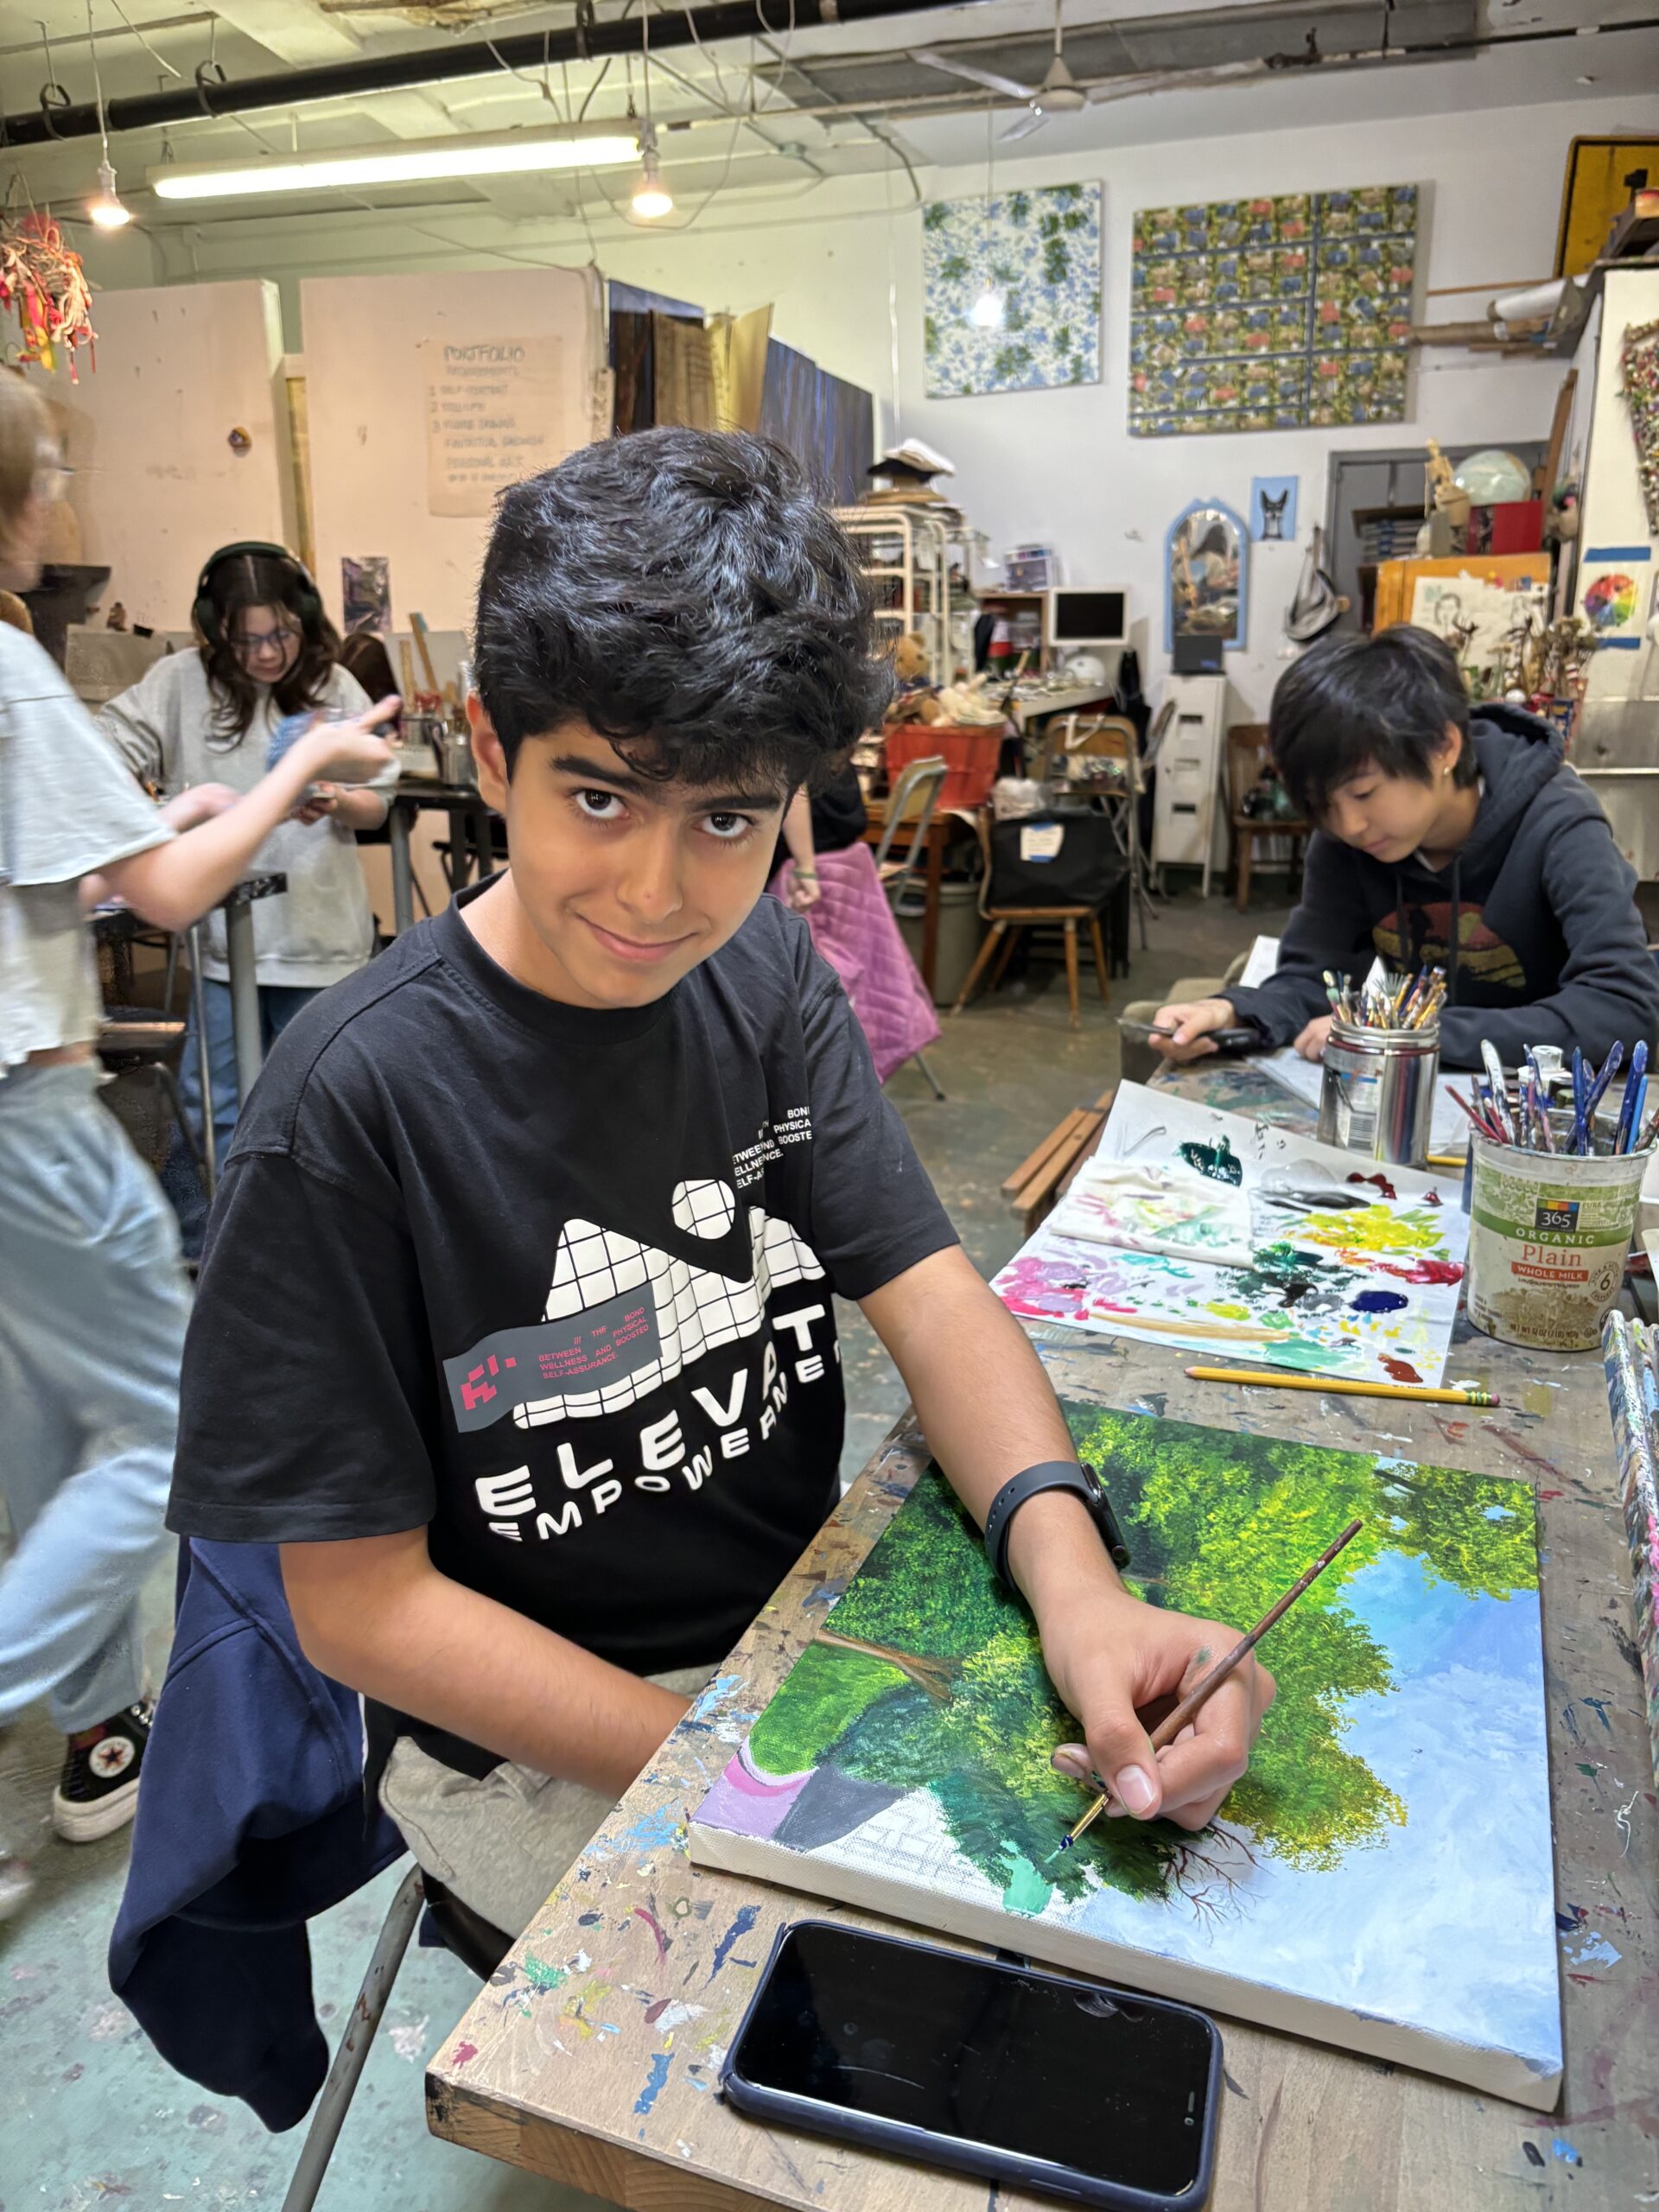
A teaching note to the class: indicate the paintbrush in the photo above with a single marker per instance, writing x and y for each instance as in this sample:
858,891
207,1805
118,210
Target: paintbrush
1171,1726
1345,1386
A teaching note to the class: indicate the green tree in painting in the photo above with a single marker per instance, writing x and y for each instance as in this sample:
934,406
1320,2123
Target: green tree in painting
929,1675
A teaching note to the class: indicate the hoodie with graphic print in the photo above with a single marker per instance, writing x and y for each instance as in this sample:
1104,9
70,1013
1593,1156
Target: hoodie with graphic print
1534,921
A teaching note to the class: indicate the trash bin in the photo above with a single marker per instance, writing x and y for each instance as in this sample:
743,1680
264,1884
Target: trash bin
961,932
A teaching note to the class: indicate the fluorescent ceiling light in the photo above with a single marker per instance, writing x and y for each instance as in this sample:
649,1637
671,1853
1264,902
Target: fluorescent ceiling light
412,161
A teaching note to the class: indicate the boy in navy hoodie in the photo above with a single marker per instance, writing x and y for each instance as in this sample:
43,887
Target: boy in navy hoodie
1456,840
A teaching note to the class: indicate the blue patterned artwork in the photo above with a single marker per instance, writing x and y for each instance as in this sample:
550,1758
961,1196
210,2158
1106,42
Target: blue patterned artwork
1272,314
1038,255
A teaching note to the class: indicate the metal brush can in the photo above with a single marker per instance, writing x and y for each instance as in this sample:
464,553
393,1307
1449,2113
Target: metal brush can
1378,1095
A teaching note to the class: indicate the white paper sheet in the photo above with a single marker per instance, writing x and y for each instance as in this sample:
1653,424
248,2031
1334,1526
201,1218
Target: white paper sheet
1356,1270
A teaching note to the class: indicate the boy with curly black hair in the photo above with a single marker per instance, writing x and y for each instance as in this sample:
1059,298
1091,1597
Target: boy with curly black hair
515,1330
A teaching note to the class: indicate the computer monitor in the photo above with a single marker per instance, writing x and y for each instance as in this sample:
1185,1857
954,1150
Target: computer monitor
1081,615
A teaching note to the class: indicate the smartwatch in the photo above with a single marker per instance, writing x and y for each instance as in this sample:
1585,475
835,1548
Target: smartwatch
1031,1482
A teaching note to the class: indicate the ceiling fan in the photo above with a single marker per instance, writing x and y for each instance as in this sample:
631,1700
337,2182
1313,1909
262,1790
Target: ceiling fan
1059,92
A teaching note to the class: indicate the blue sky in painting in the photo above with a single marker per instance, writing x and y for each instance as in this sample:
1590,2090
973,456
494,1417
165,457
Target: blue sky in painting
1448,1924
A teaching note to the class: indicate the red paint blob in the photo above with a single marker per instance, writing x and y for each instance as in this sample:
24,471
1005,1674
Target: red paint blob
1381,1181
1401,1370
1446,1271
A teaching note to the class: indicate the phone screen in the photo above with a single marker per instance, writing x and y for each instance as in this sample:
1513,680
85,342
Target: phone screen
1111,2086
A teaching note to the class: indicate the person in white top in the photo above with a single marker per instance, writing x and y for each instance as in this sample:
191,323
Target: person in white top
266,651
92,1297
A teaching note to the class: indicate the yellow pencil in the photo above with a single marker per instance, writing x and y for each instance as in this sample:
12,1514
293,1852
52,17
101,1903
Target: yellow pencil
1342,1385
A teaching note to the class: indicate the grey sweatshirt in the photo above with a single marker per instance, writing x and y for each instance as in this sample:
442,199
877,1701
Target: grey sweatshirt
321,927
1534,920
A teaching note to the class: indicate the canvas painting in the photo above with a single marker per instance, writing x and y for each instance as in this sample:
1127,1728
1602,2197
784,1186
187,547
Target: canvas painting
1380,1879
1356,1268
1036,255
1273,313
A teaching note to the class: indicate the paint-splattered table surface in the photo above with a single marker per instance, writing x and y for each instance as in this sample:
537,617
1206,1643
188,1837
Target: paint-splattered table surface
594,2054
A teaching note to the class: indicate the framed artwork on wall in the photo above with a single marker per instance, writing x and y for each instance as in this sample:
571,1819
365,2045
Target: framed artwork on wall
1012,291
1272,314
1272,509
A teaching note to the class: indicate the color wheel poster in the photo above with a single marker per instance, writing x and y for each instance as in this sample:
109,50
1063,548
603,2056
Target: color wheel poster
1614,582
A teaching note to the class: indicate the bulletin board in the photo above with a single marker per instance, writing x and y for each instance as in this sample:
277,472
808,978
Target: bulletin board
1272,314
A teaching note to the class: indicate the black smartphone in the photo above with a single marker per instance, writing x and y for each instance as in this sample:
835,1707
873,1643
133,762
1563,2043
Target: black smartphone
1224,1040
995,2070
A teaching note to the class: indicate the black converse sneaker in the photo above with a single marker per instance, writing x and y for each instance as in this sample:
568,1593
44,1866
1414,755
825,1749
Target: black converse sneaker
98,1790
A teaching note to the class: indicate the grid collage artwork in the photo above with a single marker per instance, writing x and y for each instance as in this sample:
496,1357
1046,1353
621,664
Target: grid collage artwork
1272,314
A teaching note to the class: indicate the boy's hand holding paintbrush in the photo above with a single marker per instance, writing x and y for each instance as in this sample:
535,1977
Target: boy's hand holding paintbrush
1119,1667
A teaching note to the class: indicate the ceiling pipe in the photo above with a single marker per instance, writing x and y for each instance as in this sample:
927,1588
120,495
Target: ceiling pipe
727,19
388,72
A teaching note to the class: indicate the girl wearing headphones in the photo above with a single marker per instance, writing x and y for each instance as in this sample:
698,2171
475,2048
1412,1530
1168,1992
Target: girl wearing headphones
199,724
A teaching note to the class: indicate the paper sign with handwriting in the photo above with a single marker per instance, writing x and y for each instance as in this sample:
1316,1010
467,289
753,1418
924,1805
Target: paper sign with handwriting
497,410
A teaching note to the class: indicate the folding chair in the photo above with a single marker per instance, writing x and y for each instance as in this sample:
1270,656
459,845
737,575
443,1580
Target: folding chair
474,1942
1110,737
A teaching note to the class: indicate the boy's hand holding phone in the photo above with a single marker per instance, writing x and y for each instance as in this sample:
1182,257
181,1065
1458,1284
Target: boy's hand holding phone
1192,1024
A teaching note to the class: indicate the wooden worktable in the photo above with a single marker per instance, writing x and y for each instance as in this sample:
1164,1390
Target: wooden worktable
594,2054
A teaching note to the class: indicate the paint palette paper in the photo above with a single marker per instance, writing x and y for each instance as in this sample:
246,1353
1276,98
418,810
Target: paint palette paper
1382,1878
1357,1269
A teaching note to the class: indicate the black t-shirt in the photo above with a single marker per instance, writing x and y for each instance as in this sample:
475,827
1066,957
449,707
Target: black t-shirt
553,1282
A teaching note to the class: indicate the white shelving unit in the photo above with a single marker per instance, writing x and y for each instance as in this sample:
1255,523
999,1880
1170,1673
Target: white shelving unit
1184,813
905,552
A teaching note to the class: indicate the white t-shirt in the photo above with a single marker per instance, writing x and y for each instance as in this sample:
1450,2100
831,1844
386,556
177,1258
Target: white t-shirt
68,808
320,928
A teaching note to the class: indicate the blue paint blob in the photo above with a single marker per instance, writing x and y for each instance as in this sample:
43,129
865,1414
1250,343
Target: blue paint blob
661,2061
1377,1301
1563,2150
746,1916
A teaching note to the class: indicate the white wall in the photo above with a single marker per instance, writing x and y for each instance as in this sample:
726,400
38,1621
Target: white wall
157,486
365,407
1613,512
1060,466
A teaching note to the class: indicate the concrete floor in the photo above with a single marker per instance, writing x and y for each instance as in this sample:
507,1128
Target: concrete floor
90,2114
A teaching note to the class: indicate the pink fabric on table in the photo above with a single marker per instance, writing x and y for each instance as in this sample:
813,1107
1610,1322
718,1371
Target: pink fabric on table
853,927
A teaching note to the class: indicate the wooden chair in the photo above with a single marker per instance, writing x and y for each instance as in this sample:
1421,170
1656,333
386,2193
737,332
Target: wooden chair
1007,922
1247,755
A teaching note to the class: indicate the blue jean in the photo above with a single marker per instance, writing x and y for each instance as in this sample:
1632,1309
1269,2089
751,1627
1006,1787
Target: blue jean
93,1303
278,1004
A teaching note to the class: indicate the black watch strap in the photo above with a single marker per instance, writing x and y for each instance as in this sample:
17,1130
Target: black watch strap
1031,1482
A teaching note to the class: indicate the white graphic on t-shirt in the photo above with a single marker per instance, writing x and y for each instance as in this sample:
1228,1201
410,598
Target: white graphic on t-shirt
697,1310
704,1209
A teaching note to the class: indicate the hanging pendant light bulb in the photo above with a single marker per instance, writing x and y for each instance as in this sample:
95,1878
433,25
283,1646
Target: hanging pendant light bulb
652,197
988,310
104,207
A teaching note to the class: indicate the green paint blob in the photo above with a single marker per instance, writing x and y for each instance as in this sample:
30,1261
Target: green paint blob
540,1975
1228,1313
1028,1891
